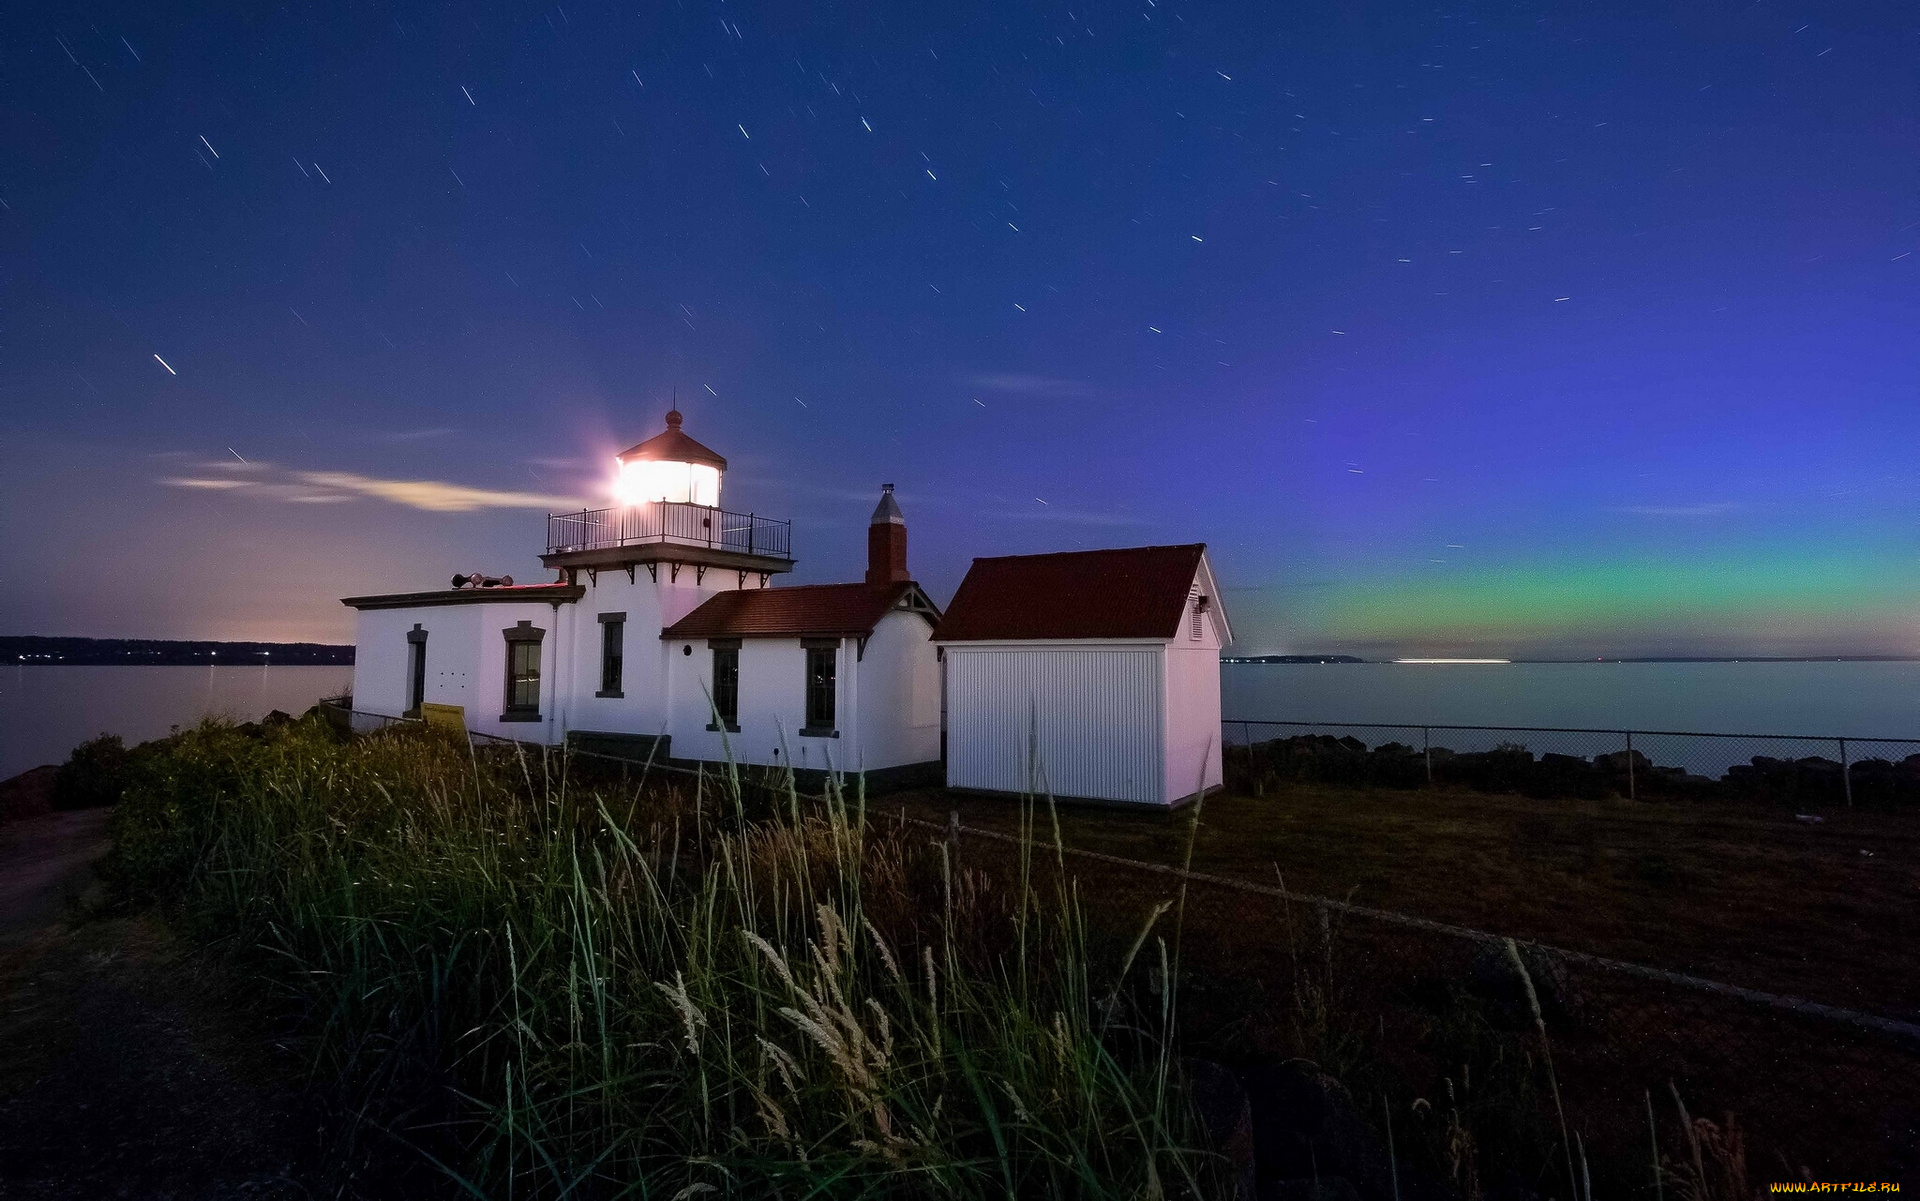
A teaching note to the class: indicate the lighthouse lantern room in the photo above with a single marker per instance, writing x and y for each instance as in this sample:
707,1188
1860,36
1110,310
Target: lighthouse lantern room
671,467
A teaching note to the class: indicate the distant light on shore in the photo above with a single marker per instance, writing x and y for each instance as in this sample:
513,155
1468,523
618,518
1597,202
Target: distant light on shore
1453,660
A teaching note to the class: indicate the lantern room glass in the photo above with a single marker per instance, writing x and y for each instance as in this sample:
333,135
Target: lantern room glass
644,480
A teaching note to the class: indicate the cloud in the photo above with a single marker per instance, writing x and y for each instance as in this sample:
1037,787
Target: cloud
180,481
1711,509
434,496
296,494
1034,385
337,487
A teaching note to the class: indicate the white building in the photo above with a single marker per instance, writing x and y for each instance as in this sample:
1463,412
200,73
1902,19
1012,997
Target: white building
664,635
1089,675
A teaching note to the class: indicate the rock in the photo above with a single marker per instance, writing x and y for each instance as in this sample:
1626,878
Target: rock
1228,1118
1564,762
1617,761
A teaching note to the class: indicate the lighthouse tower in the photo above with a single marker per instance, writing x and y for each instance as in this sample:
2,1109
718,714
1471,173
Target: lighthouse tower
661,550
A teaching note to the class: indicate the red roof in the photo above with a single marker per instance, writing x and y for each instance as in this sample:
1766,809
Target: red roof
673,446
1138,592
809,610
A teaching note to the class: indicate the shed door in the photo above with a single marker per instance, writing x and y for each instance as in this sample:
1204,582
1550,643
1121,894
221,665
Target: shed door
1070,722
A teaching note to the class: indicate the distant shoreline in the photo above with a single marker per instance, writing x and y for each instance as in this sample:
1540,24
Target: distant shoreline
1296,659
36,651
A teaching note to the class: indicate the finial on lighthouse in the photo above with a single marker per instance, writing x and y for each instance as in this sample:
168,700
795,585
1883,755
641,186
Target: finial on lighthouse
887,541
673,419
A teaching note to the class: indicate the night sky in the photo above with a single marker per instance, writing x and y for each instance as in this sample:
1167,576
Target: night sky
1574,329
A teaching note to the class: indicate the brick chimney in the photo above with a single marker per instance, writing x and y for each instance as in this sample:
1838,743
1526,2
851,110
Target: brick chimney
887,542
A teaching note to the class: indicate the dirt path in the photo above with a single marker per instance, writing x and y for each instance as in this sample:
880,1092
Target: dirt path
46,862
127,1069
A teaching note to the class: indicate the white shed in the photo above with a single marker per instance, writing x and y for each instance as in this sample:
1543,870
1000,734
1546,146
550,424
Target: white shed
1091,675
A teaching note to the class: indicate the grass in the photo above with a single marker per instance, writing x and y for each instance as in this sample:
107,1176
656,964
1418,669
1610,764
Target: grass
547,984
552,986
1762,900
1428,1025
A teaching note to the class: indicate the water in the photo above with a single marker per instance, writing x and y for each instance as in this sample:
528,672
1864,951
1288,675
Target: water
1823,702
1865,700
46,711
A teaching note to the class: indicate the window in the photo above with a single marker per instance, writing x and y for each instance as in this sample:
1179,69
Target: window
822,660
523,676
613,629
1199,616
523,672
726,683
416,668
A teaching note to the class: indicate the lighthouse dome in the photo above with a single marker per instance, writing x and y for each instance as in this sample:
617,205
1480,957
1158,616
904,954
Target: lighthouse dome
669,466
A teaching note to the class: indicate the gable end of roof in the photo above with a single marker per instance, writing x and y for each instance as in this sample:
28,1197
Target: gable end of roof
1132,592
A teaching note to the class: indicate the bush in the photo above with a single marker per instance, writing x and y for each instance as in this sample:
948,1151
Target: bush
1512,768
94,775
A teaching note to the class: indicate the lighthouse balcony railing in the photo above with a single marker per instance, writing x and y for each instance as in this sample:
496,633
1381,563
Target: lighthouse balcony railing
670,522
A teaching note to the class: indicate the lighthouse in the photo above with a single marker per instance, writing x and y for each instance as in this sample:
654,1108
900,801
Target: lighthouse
664,638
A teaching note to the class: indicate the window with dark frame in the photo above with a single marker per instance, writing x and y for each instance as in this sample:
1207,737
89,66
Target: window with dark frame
613,629
523,677
726,683
523,672
822,664
416,669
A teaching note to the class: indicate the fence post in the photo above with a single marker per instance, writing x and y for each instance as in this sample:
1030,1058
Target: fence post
1426,750
1630,787
1846,773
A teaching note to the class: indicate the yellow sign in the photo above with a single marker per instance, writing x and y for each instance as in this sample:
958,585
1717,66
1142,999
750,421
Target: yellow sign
445,717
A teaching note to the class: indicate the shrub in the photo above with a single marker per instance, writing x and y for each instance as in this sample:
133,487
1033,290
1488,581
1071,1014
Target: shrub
93,776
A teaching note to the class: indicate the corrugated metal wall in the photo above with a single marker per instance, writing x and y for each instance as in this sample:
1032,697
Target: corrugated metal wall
1094,714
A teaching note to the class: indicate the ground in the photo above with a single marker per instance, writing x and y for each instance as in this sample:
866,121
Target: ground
137,1067
1740,894
132,1070
1829,911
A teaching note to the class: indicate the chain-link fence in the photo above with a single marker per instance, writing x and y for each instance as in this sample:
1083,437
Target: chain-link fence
340,713
1548,761
1433,1023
